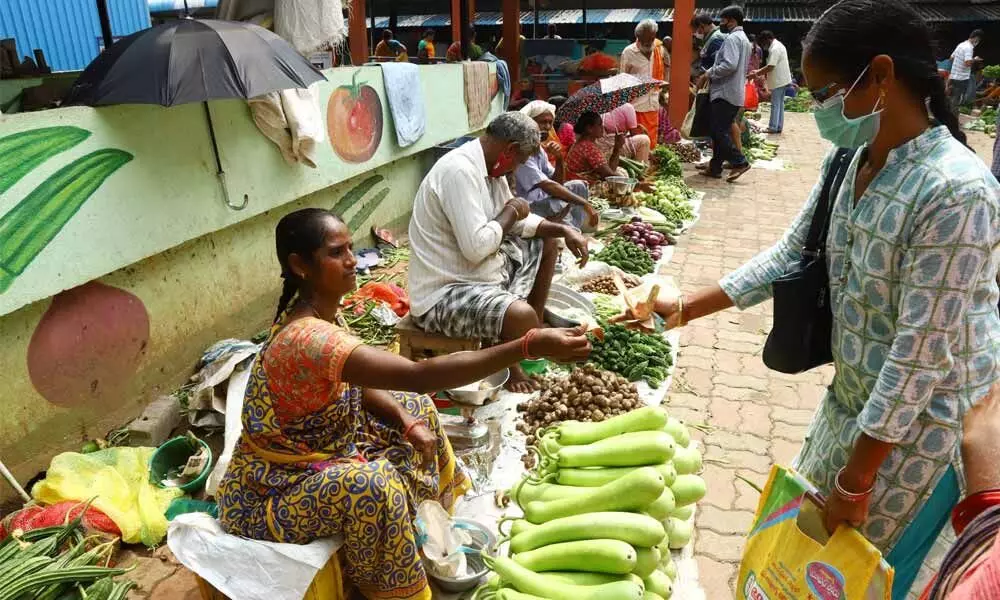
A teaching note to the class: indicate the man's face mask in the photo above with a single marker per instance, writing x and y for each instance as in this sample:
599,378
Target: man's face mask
504,165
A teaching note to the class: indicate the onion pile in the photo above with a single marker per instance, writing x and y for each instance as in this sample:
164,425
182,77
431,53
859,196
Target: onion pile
643,234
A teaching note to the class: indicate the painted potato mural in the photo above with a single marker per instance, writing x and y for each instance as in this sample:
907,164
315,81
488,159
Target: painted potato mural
28,227
354,121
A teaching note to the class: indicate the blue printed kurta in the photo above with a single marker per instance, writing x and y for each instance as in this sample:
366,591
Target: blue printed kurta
916,334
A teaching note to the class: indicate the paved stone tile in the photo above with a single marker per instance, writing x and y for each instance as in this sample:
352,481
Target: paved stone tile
717,578
731,522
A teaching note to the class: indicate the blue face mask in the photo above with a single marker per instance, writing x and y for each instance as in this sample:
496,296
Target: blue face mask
841,131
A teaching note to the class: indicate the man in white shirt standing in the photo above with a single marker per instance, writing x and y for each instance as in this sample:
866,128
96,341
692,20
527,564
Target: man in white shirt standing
961,69
481,264
647,57
779,77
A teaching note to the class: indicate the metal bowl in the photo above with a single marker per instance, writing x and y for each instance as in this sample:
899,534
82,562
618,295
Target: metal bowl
483,538
556,320
621,186
480,397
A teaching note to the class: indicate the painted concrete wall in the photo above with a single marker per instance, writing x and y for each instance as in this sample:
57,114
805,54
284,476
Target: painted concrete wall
153,267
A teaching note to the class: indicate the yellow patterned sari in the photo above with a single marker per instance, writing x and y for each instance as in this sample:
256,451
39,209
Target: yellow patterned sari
313,463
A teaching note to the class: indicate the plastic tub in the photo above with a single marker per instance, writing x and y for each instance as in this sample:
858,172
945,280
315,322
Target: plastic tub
173,454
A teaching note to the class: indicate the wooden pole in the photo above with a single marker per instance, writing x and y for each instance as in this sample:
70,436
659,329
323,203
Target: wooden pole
511,32
357,34
680,61
466,20
585,33
456,20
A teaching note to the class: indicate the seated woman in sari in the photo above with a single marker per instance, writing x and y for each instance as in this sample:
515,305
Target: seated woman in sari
585,160
325,450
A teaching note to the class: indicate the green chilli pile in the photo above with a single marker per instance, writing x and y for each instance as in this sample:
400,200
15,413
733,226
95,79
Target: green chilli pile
603,509
55,563
633,354
627,256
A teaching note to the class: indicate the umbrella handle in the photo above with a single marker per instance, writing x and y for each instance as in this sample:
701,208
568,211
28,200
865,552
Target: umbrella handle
225,195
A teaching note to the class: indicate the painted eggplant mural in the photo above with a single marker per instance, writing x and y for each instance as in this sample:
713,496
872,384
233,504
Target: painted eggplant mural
28,227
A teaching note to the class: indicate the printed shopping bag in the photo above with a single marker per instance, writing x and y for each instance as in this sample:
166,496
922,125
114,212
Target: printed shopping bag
789,555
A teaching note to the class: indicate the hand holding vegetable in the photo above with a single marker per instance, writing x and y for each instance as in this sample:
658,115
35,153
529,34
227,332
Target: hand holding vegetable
561,345
668,308
577,244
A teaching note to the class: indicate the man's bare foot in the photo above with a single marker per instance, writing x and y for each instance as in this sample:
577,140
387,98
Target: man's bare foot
519,382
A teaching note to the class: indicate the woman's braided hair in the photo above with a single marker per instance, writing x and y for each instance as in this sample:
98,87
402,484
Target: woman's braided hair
851,33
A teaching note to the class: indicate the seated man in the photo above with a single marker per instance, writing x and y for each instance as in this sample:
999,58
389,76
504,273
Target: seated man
540,180
481,264
624,120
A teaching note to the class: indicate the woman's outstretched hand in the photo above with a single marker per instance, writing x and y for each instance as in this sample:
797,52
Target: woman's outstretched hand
667,308
561,345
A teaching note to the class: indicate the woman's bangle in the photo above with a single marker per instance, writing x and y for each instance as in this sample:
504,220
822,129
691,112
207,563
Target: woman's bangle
850,496
970,508
409,428
680,310
524,344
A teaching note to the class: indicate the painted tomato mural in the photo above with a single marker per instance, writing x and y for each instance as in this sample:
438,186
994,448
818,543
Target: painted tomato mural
354,121
88,346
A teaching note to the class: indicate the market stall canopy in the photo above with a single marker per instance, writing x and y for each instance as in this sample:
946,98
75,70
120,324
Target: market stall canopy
606,95
192,61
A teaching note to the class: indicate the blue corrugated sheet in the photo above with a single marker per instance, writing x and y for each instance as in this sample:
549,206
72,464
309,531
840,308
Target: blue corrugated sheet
157,6
68,31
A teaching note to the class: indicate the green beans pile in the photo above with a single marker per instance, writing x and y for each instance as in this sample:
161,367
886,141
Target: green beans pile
35,565
633,354
627,256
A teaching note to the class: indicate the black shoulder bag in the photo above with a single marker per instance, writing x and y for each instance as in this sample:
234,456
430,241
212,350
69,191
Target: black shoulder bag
801,337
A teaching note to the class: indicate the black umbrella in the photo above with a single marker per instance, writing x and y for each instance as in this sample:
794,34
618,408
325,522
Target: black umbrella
192,60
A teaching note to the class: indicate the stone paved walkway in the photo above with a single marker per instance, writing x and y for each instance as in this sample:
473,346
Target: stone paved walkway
759,417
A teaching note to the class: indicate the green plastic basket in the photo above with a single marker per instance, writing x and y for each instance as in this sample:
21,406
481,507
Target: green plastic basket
174,454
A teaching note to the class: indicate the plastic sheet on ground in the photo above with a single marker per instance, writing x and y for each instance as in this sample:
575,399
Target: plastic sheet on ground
244,568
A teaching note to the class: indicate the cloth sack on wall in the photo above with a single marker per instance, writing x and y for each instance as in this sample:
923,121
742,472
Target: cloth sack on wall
310,25
477,92
292,120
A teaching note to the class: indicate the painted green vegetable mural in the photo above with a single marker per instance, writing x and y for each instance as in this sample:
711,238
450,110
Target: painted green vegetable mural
353,199
33,222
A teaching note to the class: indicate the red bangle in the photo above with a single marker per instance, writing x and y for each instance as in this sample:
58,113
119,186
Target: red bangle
409,428
970,508
524,344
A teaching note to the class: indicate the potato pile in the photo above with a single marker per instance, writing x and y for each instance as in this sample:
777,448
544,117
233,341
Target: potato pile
606,284
587,394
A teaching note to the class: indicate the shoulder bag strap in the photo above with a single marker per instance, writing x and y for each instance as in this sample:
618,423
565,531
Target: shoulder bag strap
816,239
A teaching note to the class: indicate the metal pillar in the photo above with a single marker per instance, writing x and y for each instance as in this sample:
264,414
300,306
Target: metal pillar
102,16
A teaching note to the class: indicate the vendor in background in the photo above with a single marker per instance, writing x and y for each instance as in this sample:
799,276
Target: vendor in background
326,450
623,121
585,160
425,49
553,33
454,53
779,77
912,252
481,264
646,58
389,48
971,569
667,134
543,183
524,94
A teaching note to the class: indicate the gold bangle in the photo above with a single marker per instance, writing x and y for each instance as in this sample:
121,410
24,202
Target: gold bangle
680,310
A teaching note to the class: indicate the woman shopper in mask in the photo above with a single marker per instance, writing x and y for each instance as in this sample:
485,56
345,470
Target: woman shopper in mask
912,255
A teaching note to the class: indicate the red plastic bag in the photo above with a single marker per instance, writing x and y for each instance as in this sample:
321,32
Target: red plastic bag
392,295
36,516
752,101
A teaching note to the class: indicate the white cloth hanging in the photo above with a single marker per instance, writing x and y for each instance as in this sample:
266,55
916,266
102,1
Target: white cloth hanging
292,120
310,25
